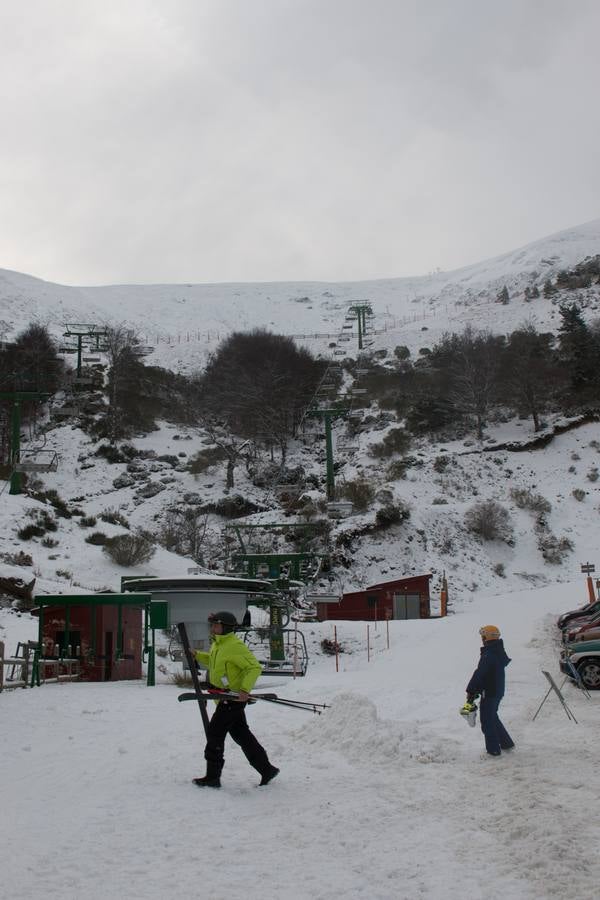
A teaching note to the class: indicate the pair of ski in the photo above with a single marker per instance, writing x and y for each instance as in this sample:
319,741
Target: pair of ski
216,694
202,695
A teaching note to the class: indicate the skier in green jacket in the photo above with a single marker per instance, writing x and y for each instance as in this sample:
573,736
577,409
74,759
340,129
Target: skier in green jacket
233,667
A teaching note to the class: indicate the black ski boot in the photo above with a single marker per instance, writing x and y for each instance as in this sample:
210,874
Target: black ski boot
207,782
269,776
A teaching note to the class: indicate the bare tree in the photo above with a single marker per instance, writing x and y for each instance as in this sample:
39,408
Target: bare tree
257,385
124,352
530,371
473,363
184,532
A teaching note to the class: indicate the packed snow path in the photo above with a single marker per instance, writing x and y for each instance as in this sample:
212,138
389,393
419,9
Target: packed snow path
385,796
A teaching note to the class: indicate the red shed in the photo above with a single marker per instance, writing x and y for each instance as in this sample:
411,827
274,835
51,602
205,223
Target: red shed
402,598
105,637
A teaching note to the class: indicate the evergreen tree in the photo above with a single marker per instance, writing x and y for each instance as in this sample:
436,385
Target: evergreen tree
578,351
530,373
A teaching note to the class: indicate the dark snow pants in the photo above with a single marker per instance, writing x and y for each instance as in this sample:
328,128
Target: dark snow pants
230,718
496,736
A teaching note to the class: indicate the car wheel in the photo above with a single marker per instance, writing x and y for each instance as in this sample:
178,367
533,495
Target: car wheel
589,669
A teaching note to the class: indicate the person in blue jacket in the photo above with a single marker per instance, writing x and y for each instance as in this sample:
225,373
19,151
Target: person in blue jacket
487,681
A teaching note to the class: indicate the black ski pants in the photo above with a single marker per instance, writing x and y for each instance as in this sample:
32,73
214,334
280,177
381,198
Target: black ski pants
229,718
496,736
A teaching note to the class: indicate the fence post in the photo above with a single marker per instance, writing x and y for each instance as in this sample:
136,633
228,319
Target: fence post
1,665
335,644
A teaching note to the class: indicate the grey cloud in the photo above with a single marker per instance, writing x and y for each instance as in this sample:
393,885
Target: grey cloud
274,139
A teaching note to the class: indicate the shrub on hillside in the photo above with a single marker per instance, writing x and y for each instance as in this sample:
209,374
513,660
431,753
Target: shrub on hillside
397,440
330,648
114,517
527,499
97,538
42,522
554,549
440,463
489,520
87,522
359,492
130,549
169,458
391,514
113,454
233,507
396,470
204,459
579,494
17,559
52,497
30,531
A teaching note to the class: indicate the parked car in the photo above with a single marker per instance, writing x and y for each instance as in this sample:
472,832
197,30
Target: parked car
585,657
592,634
580,626
588,610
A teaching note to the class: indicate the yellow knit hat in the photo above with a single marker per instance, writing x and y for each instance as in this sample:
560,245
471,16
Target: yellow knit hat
489,632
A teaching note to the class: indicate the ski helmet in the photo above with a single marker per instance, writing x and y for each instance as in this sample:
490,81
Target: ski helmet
227,620
489,632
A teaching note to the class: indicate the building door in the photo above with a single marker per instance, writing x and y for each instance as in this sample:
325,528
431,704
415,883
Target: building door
108,655
407,606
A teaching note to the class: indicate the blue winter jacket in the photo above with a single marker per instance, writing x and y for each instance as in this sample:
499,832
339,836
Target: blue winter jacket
488,677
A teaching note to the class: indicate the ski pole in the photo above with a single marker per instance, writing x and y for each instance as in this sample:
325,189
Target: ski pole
269,698
264,696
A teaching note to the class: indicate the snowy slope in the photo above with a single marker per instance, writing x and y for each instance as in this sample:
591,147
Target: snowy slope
184,322
434,539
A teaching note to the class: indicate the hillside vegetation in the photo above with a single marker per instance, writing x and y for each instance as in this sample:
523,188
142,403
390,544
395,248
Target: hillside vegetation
474,453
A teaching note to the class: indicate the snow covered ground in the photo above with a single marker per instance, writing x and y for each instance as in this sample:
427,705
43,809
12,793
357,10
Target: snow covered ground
384,796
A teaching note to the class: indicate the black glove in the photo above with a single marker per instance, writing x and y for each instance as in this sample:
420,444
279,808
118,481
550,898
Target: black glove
472,697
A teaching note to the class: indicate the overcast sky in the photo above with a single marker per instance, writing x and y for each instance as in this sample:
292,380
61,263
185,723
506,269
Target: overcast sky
269,140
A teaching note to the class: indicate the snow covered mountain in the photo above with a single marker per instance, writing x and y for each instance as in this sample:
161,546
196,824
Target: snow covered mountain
183,323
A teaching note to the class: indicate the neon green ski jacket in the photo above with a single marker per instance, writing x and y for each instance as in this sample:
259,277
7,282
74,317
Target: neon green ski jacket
230,664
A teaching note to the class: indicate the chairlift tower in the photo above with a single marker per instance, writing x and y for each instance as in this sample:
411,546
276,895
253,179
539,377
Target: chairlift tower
287,572
16,398
327,415
360,312
88,337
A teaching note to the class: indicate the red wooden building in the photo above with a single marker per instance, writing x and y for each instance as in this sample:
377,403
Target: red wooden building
402,598
105,637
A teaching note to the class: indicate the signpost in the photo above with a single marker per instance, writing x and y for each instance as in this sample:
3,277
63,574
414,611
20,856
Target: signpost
587,569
